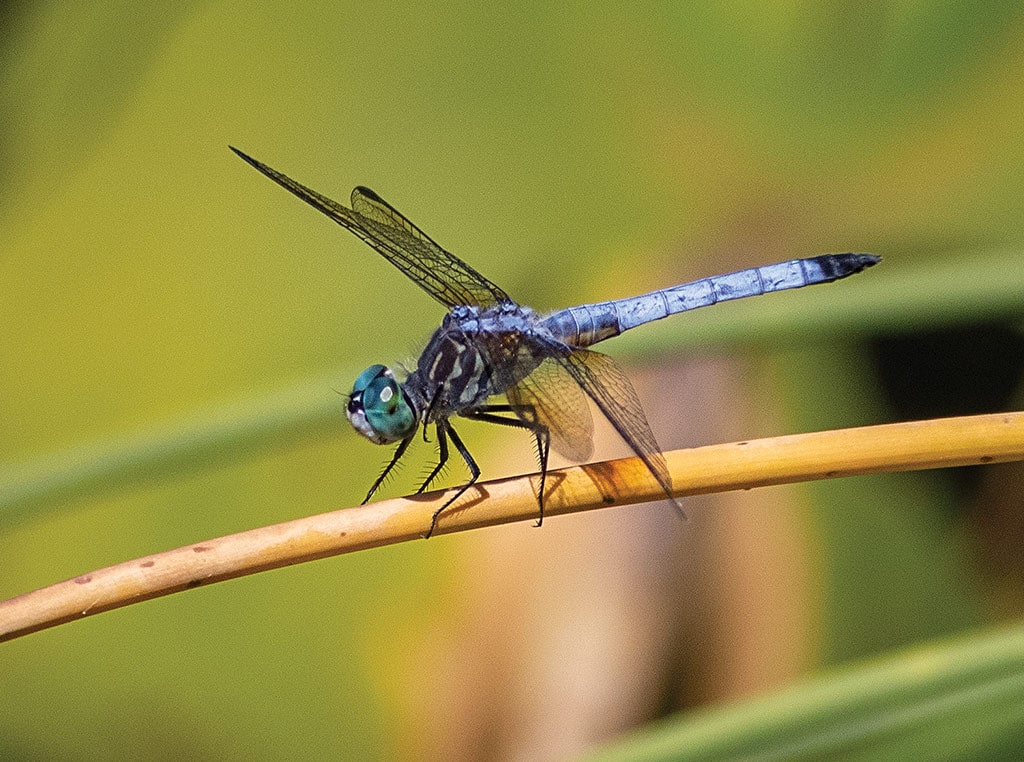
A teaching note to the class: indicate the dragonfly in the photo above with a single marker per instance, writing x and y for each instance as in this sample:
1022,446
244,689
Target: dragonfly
489,346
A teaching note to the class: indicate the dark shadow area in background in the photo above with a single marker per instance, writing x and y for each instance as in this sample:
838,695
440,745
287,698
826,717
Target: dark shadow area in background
958,370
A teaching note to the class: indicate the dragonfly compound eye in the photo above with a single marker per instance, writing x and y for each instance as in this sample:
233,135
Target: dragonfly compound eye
378,409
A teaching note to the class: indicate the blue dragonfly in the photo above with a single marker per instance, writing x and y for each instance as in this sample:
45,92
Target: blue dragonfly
489,345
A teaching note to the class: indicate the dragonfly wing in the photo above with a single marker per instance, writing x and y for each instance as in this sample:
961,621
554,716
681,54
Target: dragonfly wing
558,403
603,381
442,274
438,272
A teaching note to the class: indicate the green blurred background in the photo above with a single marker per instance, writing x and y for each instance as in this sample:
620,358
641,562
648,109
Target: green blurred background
148,279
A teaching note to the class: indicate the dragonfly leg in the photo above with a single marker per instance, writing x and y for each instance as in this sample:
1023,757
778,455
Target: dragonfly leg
442,457
528,421
543,437
429,414
444,430
399,452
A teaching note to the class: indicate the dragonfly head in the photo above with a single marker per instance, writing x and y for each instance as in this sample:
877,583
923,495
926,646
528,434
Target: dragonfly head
378,408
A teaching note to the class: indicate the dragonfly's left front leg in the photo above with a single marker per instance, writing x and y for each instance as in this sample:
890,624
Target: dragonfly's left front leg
399,452
444,431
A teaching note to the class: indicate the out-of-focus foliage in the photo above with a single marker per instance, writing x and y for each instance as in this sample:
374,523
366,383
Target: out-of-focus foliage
955,700
570,153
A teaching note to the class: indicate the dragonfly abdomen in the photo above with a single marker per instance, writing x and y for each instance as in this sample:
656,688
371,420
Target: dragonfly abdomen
590,323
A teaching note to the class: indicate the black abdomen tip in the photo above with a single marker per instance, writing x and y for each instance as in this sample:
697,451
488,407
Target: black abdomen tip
836,266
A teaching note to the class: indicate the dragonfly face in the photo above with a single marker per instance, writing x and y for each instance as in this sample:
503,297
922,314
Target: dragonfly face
378,408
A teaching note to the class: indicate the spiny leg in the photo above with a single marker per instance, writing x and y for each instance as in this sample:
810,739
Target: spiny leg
442,456
399,452
543,437
444,430
540,433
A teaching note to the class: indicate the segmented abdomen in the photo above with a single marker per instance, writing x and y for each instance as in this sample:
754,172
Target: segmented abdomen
590,323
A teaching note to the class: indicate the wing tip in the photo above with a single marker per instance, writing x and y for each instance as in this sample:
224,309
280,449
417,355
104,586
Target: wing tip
240,153
251,161
369,193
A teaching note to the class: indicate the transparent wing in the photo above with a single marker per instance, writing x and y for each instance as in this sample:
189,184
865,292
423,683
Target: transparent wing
603,381
438,272
558,403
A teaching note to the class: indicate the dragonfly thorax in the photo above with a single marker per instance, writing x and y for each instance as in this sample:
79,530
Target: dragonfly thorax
477,353
378,407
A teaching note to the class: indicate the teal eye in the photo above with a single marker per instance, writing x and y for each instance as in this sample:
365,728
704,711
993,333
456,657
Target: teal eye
363,379
377,407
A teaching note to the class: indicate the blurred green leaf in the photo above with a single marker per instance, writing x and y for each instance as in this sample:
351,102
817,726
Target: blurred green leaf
211,437
960,700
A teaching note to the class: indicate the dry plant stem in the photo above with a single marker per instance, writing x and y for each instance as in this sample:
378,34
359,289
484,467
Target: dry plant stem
717,468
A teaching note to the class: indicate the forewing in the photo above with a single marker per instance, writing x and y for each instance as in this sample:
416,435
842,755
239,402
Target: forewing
441,273
603,381
438,272
559,403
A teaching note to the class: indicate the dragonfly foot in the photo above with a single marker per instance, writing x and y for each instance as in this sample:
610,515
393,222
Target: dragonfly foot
433,519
